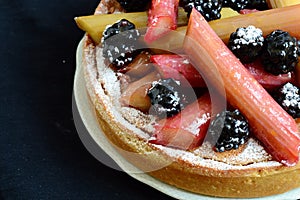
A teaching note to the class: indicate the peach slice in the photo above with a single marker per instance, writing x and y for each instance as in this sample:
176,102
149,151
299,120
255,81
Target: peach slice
135,95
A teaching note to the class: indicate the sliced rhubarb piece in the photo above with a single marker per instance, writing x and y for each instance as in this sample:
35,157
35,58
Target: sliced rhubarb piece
268,80
268,20
179,68
269,122
282,3
162,18
94,25
281,18
187,129
248,11
228,12
140,66
135,95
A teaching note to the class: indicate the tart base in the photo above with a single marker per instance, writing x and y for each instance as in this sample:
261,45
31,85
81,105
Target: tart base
178,173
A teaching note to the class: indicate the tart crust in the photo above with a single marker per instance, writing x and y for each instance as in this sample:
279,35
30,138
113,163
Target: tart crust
249,172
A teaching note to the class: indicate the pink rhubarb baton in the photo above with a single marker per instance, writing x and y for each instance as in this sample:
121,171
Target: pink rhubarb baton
266,79
162,18
269,122
179,68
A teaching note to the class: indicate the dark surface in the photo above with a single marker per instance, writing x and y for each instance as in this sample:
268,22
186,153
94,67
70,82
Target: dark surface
41,155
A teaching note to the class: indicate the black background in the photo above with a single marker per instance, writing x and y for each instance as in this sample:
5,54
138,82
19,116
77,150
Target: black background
41,155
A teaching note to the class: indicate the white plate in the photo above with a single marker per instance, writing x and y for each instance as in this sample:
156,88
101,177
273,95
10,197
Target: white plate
95,141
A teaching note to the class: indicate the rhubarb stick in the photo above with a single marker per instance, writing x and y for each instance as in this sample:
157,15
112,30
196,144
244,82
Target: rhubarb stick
162,18
281,18
269,122
94,25
179,68
282,3
268,20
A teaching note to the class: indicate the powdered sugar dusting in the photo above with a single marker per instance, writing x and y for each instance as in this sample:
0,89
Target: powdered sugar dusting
253,156
108,86
251,152
103,82
194,127
250,35
141,120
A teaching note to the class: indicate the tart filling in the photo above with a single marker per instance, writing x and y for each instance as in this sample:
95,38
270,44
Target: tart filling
251,155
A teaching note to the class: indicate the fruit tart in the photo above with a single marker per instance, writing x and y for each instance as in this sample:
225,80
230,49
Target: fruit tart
201,95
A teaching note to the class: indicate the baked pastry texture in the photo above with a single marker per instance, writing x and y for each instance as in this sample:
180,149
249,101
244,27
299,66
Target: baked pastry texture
247,172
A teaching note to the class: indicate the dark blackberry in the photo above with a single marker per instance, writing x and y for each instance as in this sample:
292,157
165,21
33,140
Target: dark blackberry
120,42
280,52
257,4
246,43
116,28
236,4
288,96
231,128
166,97
210,9
135,5
225,3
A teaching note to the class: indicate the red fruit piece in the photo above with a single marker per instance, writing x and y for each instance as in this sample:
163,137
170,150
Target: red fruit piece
248,11
270,123
179,68
187,129
162,18
268,80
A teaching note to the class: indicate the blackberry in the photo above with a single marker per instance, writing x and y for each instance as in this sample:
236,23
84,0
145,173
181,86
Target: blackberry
120,42
280,52
257,4
210,9
166,97
246,43
288,96
246,4
135,5
232,129
236,4
225,3
116,28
